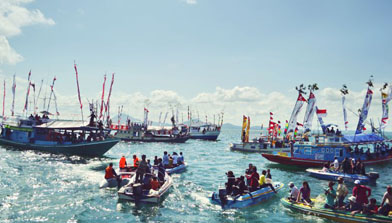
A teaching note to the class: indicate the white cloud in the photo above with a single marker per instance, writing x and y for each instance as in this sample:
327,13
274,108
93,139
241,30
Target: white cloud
191,2
14,16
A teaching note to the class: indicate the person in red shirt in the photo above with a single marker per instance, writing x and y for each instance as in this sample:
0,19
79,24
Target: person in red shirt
135,162
254,179
154,183
123,163
110,173
361,193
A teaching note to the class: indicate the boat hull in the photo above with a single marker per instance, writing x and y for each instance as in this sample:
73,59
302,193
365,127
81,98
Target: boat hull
177,169
333,176
207,136
338,216
88,149
247,200
287,160
255,148
157,139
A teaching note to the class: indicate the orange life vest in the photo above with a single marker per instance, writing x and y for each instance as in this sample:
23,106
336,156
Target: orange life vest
109,172
136,162
154,184
123,162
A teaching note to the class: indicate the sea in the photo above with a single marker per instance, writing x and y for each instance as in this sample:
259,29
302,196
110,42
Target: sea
44,187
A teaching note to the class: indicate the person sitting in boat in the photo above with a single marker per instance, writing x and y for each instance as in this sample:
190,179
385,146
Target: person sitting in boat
341,192
240,186
353,206
336,164
170,162
161,171
254,179
175,159
123,163
263,183
156,161
325,168
110,173
361,193
268,176
330,193
353,166
360,167
248,172
165,159
142,169
230,182
180,159
293,192
135,162
371,208
356,149
386,204
304,194
155,183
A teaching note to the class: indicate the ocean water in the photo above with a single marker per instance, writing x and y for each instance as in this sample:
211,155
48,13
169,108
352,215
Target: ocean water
42,187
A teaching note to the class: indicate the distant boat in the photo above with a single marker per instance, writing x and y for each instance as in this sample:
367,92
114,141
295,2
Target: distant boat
256,147
204,131
177,169
55,136
333,176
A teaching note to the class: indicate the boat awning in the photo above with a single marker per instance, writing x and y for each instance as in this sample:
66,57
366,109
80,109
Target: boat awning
362,138
71,125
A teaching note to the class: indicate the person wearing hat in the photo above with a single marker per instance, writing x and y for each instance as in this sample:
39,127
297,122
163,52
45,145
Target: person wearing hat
353,206
341,192
293,192
331,195
361,193
386,204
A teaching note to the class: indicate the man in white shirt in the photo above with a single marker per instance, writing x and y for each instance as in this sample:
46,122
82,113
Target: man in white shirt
293,192
175,157
336,164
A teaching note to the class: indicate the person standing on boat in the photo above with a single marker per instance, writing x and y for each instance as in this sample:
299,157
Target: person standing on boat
353,169
263,183
331,195
165,159
248,172
123,163
386,204
254,179
304,193
293,192
269,176
142,169
336,164
361,193
180,159
341,192
156,161
135,162
161,171
175,159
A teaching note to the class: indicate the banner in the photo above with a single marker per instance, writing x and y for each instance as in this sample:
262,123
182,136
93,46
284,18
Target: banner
103,95
309,112
13,96
344,112
247,130
320,114
243,134
145,117
107,108
386,97
3,99
296,110
28,92
364,111
77,84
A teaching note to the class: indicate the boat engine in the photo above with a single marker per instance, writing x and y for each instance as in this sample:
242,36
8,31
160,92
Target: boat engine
137,190
374,175
223,197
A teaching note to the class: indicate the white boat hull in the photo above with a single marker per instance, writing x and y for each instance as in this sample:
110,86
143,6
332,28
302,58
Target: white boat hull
256,147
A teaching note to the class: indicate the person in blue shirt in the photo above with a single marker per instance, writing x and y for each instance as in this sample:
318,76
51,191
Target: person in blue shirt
165,159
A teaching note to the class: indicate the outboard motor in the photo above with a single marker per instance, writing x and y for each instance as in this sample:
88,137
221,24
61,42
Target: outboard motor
374,175
223,197
137,190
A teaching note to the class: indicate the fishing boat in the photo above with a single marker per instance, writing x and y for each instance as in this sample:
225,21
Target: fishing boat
177,169
246,200
204,131
333,176
142,133
334,215
57,136
257,147
137,193
324,148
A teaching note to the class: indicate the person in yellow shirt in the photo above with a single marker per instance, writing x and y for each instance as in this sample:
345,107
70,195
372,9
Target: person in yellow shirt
263,183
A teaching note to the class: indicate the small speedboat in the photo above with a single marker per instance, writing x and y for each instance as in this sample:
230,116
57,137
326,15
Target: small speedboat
122,180
245,200
256,147
139,193
177,169
333,175
334,215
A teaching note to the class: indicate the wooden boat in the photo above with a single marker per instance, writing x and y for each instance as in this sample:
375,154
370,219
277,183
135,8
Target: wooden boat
333,176
334,215
256,147
135,191
177,169
57,136
242,201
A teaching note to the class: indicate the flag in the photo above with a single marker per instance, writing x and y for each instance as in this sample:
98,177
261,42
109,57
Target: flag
77,84
364,111
3,99
103,95
286,126
13,96
296,110
271,113
107,107
247,130
344,112
386,97
308,119
244,119
321,112
271,118
27,94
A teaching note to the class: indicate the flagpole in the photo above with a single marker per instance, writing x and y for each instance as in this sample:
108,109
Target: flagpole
80,100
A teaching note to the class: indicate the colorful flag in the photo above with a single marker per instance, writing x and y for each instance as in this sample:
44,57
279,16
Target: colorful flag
309,112
28,92
386,97
3,99
364,111
286,127
13,96
77,84
244,119
321,112
247,130
344,112
296,110
103,95
107,108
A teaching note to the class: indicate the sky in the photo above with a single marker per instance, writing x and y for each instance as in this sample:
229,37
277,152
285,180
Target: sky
240,57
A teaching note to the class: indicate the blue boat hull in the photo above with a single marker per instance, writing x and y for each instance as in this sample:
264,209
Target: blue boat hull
88,149
205,137
333,176
177,169
247,200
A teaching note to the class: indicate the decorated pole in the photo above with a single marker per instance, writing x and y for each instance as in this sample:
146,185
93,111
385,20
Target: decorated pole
103,95
107,108
77,84
13,96
51,93
27,94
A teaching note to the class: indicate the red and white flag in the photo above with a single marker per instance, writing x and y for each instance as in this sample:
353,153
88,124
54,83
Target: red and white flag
28,93
296,110
321,112
103,95
77,84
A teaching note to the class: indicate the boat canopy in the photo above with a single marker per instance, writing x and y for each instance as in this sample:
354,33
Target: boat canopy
66,125
362,138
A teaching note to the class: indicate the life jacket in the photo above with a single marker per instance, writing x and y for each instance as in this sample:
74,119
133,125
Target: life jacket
154,184
123,161
136,162
109,172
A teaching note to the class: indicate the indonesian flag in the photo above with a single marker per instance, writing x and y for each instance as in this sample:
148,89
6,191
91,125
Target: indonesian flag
321,112
297,108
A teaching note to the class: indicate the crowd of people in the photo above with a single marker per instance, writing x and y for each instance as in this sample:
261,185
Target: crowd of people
358,202
254,181
348,165
144,170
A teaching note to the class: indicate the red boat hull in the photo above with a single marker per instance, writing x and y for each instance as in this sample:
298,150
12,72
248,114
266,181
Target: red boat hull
314,163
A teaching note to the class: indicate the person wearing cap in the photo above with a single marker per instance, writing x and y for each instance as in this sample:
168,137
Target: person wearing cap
331,195
341,192
386,204
293,192
353,206
361,193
